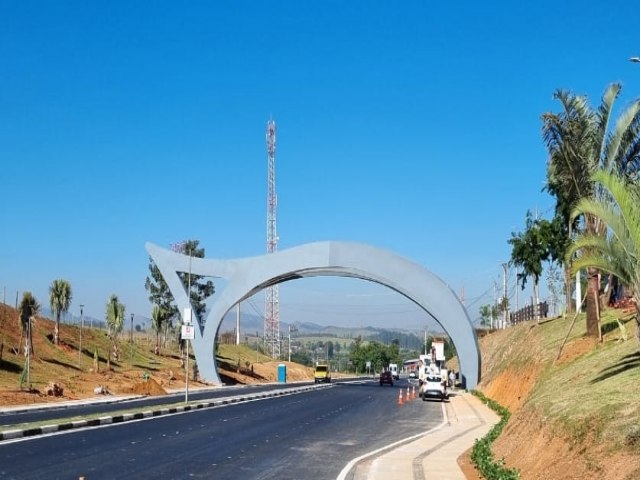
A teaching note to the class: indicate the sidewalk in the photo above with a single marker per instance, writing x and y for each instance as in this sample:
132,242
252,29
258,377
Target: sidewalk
434,456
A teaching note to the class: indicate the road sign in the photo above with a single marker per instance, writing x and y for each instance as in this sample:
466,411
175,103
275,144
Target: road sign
186,317
188,332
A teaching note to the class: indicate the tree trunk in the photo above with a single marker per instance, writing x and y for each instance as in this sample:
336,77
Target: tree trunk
638,322
570,307
536,300
606,298
56,330
32,352
593,321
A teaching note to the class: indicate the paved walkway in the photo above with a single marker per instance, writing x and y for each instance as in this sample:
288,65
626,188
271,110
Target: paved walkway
434,455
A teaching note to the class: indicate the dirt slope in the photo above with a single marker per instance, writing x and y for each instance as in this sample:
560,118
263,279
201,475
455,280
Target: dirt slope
574,418
138,369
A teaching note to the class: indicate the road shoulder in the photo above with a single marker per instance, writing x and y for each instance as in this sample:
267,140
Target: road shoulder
435,454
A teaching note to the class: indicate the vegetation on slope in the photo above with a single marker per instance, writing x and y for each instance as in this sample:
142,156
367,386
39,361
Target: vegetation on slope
585,400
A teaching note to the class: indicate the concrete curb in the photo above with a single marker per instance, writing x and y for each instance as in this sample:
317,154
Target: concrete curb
69,404
46,429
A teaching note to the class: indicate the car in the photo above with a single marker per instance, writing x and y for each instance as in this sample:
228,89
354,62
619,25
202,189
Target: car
433,387
412,374
386,377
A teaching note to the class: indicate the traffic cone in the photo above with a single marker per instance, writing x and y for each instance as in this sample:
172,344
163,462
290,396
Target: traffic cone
414,391
400,402
408,394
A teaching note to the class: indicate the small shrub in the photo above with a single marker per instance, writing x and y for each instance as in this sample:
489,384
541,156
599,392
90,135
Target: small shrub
481,454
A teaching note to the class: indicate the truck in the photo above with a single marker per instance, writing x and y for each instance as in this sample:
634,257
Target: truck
432,366
393,368
322,373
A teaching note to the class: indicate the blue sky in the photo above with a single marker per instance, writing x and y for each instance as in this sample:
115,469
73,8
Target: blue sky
412,126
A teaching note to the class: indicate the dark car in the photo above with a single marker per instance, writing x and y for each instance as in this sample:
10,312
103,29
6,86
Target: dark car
386,377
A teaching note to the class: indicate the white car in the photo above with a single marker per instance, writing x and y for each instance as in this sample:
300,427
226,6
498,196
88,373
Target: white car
412,374
434,387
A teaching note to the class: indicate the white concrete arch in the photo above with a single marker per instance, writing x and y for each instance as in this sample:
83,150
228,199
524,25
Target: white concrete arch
247,276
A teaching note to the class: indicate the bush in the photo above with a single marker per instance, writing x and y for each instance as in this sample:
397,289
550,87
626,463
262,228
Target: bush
482,456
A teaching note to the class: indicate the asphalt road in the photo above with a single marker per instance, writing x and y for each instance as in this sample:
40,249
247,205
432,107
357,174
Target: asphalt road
305,436
52,413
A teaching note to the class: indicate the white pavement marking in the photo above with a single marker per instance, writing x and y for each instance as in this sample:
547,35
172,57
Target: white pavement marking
345,471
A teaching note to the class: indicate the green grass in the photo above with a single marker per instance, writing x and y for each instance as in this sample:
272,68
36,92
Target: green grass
592,396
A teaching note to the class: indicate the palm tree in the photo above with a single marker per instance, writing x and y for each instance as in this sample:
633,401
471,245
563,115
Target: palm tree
618,251
581,141
59,301
158,318
529,250
29,307
115,322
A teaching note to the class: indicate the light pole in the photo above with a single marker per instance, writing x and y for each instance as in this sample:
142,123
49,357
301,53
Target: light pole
186,376
131,342
80,349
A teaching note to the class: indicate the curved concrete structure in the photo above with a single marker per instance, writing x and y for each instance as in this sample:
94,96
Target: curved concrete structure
247,276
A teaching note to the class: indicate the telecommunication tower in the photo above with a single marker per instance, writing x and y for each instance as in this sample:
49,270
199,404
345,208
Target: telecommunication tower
272,306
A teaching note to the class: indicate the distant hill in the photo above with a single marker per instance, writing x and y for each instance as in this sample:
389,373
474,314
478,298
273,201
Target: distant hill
251,324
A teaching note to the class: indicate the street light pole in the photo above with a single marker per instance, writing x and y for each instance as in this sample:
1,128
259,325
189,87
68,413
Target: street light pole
186,376
80,349
29,354
131,341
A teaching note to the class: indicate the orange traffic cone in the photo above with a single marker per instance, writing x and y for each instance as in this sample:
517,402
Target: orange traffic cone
400,402
414,391
408,394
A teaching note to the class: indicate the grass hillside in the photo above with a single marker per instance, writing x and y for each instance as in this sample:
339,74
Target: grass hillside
575,417
138,369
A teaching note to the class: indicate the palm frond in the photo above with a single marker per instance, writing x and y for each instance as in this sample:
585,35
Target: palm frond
618,142
604,115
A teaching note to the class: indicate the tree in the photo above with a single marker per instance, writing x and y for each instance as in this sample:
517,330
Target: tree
159,318
618,251
59,301
115,321
580,142
529,249
485,315
160,295
28,309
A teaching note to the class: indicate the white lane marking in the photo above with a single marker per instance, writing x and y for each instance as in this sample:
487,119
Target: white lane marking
107,422
345,471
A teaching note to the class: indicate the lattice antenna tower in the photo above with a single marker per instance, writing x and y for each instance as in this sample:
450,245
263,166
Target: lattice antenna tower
272,305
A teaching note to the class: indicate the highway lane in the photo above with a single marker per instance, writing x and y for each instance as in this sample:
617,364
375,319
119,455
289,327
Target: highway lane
311,435
51,412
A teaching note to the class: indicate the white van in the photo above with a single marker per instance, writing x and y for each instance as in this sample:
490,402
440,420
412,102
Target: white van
393,368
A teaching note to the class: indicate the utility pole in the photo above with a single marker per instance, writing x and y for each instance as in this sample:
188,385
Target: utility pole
291,329
517,306
495,303
425,342
238,323
505,304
